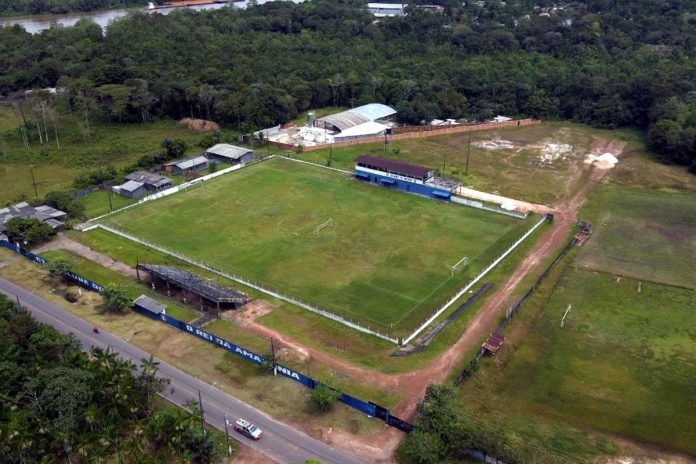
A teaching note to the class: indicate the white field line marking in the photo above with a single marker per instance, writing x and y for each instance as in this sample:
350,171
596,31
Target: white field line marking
565,314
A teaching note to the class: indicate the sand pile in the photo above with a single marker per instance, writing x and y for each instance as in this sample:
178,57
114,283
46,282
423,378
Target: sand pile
200,125
604,161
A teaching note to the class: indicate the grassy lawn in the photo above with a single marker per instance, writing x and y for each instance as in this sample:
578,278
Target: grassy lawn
504,161
279,397
622,363
644,234
104,276
55,167
97,203
279,243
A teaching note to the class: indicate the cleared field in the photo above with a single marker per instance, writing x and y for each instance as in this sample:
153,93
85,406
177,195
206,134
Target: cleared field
316,235
55,167
624,362
644,234
542,164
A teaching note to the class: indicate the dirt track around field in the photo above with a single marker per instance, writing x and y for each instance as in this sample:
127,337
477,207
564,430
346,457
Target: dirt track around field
379,447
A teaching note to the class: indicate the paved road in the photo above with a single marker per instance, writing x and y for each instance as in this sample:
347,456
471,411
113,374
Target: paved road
281,443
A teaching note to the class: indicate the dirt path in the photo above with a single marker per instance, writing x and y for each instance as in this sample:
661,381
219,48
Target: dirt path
64,243
521,206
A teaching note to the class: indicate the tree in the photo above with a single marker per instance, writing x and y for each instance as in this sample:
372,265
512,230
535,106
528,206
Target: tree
59,267
324,398
174,148
664,137
115,298
28,230
64,201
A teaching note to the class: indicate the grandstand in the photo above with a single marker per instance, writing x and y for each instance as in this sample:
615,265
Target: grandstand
209,294
404,176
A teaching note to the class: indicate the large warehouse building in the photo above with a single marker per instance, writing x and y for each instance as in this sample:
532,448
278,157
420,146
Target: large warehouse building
403,176
360,122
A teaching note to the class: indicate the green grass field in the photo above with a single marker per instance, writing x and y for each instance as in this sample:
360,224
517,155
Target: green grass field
644,234
622,363
263,223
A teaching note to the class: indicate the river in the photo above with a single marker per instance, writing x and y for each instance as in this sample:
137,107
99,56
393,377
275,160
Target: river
37,23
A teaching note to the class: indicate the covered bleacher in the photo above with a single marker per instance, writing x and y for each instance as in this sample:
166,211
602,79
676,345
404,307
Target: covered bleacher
189,283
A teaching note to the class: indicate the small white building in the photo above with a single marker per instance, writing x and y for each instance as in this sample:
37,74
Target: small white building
382,10
500,118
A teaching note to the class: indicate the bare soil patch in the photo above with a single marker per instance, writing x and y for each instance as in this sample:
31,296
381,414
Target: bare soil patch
199,125
249,312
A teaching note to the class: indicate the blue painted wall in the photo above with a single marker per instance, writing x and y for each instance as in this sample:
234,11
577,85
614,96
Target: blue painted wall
410,187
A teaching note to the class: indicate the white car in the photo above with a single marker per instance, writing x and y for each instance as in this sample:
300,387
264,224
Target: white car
247,428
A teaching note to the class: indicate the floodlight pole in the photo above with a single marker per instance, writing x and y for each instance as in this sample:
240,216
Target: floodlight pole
468,151
108,194
33,182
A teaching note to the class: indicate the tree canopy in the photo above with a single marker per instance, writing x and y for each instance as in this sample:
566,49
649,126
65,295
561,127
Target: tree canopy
610,64
58,404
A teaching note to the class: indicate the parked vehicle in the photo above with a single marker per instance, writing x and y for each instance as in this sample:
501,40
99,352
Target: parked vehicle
247,428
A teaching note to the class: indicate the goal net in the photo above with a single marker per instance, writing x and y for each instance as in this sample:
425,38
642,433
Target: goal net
461,264
324,225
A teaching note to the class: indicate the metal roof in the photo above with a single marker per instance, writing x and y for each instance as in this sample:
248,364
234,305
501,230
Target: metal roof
150,303
188,163
131,186
368,128
394,166
149,178
228,151
196,284
24,210
357,116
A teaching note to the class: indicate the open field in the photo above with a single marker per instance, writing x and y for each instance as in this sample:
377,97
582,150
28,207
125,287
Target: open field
97,203
644,234
55,168
541,164
271,227
622,363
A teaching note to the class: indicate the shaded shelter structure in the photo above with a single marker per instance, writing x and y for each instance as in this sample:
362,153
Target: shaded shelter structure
209,294
494,343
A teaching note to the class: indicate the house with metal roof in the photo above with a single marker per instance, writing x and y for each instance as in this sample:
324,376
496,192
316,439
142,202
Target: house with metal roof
187,165
152,182
51,216
145,302
226,153
130,189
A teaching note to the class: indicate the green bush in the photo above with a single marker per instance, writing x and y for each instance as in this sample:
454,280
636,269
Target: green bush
324,398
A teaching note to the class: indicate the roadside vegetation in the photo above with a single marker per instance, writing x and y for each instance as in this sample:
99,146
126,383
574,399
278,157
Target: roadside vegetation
62,405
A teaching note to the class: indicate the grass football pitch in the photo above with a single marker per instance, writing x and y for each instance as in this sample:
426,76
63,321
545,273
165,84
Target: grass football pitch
376,256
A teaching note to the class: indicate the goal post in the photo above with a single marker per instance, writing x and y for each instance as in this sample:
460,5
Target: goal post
323,225
461,264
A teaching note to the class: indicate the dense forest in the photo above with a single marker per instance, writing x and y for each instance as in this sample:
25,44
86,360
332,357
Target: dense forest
58,404
27,7
608,63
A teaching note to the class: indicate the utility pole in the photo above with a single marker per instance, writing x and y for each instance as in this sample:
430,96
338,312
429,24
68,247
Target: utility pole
200,403
108,194
227,437
468,151
330,152
33,182
444,162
